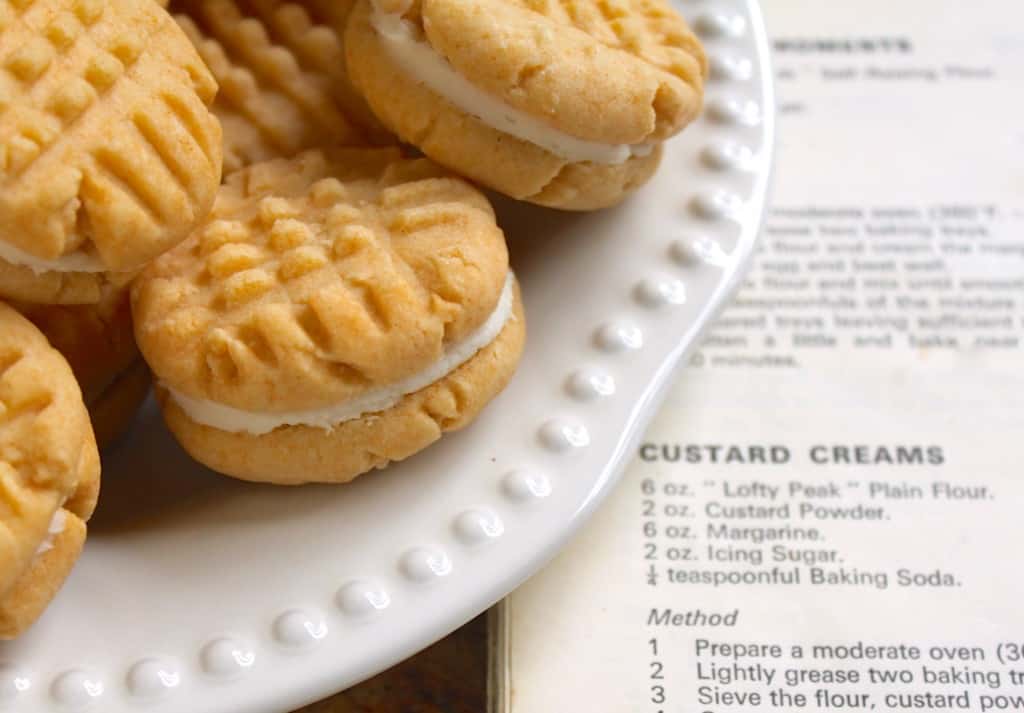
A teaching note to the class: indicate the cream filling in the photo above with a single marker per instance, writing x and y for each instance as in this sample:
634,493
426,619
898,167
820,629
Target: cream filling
53,531
420,61
232,420
78,261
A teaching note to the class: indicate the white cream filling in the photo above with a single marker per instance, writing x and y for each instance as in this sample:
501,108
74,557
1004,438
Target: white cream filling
233,420
418,59
78,261
56,528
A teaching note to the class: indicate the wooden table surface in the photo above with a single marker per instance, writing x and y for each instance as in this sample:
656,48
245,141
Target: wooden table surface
448,677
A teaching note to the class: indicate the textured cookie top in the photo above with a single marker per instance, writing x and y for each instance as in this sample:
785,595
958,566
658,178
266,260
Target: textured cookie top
47,449
106,142
319,278
614,71
281,70
96,340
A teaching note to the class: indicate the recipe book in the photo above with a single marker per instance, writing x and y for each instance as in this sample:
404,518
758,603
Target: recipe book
828,513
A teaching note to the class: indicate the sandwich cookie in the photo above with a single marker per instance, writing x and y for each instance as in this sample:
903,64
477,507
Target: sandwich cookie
49,468
108,153
281,70
339,311
570,101
99,345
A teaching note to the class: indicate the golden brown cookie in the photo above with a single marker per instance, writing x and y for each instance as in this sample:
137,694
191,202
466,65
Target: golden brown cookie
99,344
569,101
49,468
281,70
108,152
338,311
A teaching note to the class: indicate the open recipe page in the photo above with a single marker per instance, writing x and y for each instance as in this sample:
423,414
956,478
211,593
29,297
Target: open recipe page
828,513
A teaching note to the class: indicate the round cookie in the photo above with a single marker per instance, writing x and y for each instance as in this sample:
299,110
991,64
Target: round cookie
281,70
338,311
570,101
49,466
99,344
109,154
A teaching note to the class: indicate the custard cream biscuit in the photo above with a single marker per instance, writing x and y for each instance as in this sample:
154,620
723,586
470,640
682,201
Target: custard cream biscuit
99,344
281,70
109,154
339,310
49,467
569,100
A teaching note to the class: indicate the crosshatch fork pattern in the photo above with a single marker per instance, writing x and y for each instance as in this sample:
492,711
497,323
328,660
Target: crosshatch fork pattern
40,437
648,29
351,271
281,68
102,123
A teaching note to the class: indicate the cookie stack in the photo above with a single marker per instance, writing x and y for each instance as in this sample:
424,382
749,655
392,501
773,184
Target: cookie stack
343,296
109,156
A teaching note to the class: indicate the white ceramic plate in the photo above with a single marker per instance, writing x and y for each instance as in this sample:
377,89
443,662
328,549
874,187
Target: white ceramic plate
198,593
